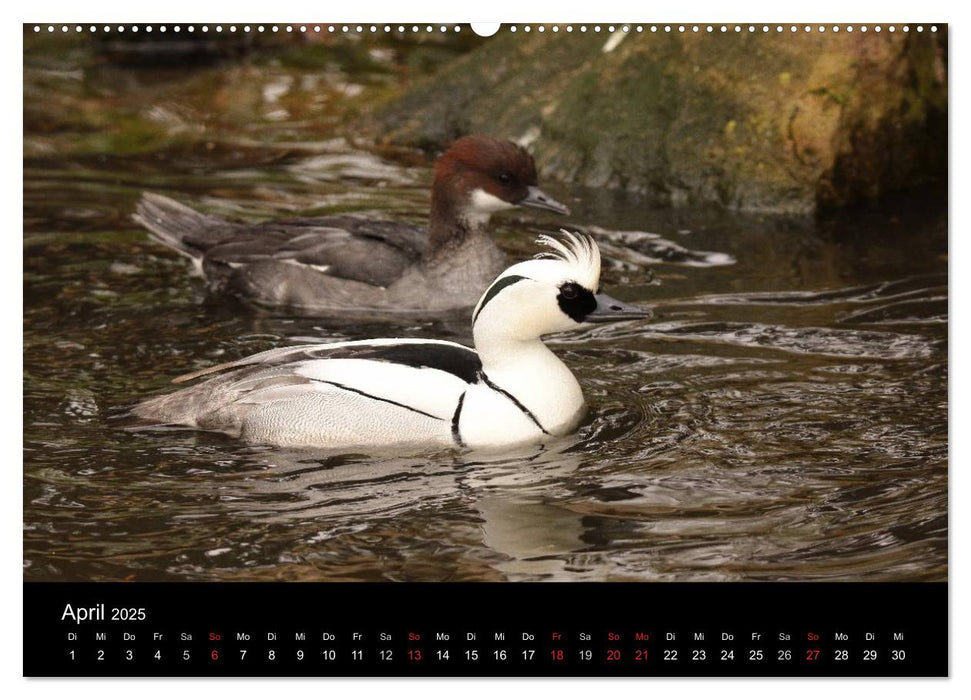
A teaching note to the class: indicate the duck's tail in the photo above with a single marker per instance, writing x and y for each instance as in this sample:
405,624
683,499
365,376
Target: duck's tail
177,226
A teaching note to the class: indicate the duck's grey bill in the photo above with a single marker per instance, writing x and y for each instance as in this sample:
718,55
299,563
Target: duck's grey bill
610,309
537,199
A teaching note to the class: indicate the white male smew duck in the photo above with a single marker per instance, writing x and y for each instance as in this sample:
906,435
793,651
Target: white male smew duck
511,389
344,261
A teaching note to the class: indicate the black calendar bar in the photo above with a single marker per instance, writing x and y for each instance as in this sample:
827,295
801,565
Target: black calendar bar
485,629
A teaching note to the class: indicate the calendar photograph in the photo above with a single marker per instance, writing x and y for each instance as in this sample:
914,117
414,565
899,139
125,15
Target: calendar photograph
589,303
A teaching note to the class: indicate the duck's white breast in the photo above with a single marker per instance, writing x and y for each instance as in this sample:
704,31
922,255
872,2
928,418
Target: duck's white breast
491,419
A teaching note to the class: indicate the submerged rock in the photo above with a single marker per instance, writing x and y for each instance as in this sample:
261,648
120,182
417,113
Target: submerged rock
777,122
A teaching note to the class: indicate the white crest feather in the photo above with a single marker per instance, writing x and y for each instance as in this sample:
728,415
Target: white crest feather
579,250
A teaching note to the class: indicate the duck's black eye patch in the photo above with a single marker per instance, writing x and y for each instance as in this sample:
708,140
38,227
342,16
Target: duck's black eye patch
576,301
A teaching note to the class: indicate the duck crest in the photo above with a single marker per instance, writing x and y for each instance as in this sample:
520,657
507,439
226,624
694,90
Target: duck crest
579,250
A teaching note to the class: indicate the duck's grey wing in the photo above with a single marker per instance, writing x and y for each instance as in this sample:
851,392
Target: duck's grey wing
369,251
317,250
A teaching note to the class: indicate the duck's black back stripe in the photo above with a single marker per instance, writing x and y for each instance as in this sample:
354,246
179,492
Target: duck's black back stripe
377,398
462,362
529,414
456,434
495,289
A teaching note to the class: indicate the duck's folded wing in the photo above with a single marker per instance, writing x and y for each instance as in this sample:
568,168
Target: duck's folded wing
420,377
371,251
421,390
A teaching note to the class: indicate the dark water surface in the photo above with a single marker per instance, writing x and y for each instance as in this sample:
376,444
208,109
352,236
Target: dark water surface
784,415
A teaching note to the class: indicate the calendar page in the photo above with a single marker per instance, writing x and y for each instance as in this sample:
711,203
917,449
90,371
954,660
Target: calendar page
386,349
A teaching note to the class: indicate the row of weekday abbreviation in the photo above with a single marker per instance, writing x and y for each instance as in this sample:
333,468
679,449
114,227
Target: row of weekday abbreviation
469,637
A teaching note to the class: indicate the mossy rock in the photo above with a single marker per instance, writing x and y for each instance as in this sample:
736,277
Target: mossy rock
775,122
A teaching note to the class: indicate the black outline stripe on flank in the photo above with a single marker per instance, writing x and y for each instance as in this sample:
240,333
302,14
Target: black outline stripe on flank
376,398
497,287
456,434
495,387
